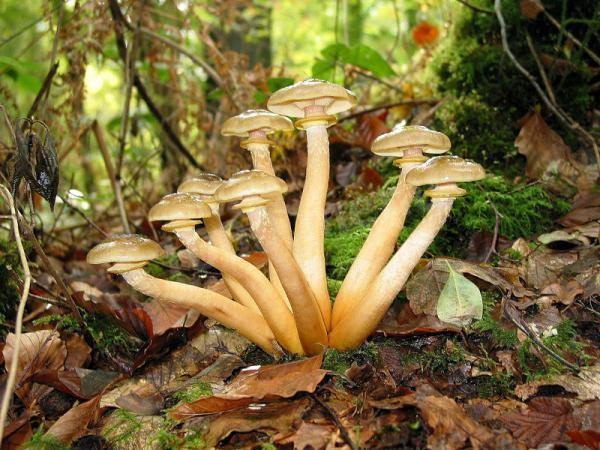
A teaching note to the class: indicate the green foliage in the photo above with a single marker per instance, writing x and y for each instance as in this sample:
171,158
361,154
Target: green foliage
359,55
9,293
333,286
193,392
500,336
62,322
498,384
340,361
41,441
107,335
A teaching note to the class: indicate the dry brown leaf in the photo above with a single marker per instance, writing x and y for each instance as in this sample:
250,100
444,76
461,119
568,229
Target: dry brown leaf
546,420
586,384
531,8
540,145
78,352
563,293
311,436
38,350
74,422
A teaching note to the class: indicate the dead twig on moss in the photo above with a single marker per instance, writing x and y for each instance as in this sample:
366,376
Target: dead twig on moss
12,371
553,107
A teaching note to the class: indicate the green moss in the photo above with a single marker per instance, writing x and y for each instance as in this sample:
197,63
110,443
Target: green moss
160,272
107,335
9,293
194,392
500,336
498,384
333,286
41,441
339,361
124,427
63,322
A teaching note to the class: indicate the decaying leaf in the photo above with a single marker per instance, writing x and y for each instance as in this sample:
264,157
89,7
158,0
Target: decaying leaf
460,301
540,145
586,384
74,423
531,8
545,420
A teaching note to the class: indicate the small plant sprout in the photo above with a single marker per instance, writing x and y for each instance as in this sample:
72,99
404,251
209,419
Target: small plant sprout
443,172
183,212
205,186
253,189
129,253
408,143
256,125
314,102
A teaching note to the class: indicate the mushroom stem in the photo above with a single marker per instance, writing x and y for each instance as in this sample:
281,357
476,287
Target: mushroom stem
309,320
273,308
310,222
215,306
375,252
219,239
362,320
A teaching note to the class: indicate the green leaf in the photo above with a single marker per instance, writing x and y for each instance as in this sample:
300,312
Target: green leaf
323,70
367,58
276,83
460,301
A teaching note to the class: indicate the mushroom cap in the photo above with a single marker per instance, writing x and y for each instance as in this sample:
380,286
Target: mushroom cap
205,184
401,138
180,206
445,169
254,120
291,100
124,248
249,183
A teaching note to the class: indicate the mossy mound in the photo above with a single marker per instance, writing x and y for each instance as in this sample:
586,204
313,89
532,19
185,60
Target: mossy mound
523,211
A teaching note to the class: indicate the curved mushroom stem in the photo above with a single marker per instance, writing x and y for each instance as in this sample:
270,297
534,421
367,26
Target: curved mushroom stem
273,308
362,320
310,222
219,239
375,252
215,306
261,160
311,328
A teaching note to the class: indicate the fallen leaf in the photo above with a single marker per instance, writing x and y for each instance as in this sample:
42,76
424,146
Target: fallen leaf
540,145
312,436
563,293
38,350
545,420
531,8
424,289
589,438
258,383
460,301
586,384
563,237
407,323
74,423
78,352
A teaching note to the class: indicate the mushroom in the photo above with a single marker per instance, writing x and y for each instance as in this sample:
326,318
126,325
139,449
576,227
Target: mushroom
256,125
129,253
408,143
315,102
254,189
183,210
444,172
205,186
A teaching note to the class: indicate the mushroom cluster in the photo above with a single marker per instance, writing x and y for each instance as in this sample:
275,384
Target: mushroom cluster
290,310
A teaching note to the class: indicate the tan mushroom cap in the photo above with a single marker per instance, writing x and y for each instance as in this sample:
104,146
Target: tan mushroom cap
180,206
204,184
255,120
445,169
402,138
291,100
248,183
124,248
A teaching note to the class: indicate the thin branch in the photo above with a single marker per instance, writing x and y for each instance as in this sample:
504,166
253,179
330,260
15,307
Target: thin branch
575,41
43,90
556,110
475,8
118,21
331,413
59,24
12,371
424,101
390,54
543,74
82,214
111,175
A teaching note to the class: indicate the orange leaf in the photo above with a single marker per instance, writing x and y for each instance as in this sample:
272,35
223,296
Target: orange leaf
425,33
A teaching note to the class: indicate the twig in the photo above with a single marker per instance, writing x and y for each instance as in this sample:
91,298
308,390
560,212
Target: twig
575,41
392,86
82,214
331,413
390,54
511,313
12,371
543,74
556,110
388,106
496,229
118,20
475,8
111,175
30,235
45,88
59,23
